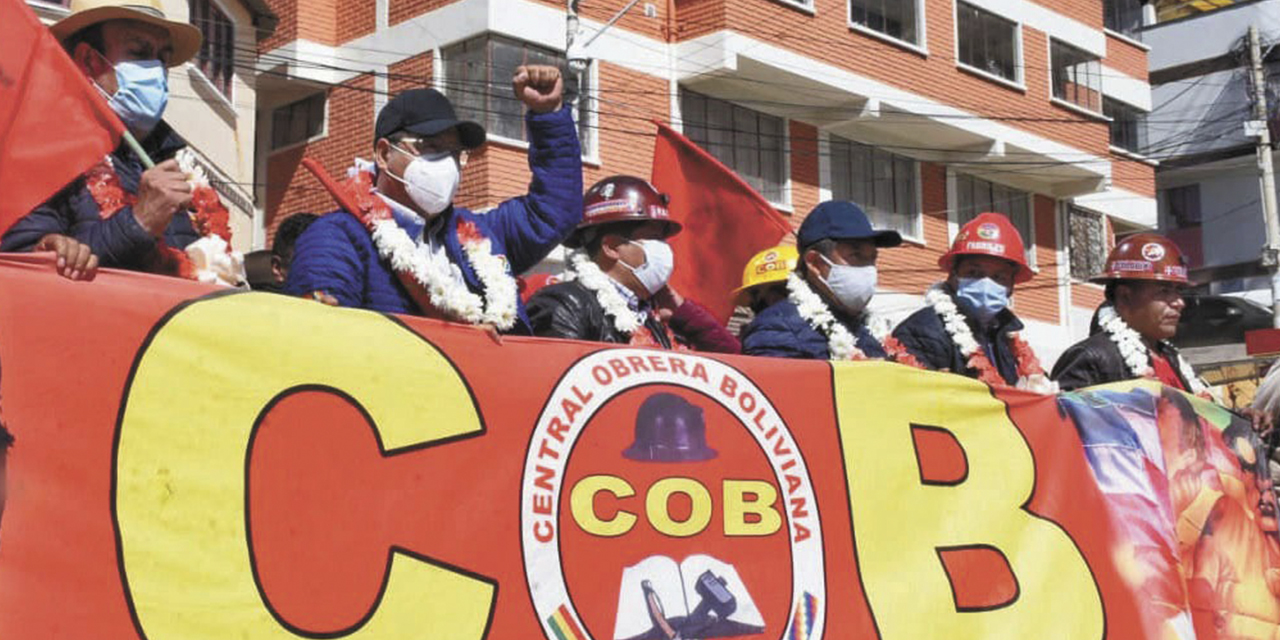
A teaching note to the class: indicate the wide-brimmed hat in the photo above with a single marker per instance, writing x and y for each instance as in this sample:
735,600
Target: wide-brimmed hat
185,38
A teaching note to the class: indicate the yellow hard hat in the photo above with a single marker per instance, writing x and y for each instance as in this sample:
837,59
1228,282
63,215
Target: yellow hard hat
770,266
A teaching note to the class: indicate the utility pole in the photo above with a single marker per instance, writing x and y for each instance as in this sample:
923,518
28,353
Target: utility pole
1263,132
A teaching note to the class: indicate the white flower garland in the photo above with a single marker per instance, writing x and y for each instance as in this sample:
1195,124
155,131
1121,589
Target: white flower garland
583,269
840,341
498,305
952,320
214,260
1137,358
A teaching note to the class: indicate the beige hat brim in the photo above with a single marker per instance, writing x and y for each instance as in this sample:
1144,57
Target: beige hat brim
185,38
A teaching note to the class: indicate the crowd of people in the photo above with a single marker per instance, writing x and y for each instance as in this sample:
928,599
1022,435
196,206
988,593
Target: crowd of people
399,243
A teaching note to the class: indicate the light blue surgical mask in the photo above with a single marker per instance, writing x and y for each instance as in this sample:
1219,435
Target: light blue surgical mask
142,94
983,297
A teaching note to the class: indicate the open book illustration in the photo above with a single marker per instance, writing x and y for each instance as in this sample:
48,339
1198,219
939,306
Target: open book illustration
701,597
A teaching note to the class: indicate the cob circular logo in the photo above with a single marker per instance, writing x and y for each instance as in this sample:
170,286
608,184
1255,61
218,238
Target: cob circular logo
1153,251
663,496
989,231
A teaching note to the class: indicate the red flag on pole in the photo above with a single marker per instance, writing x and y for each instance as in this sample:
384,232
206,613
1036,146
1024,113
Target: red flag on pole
725,221
53,124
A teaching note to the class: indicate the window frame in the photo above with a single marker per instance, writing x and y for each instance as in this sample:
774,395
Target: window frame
913,218
1018,82
1108,13
1177,220
1064,101
587,132
196,64
954,221
921,27
1117,119
783,147
324,123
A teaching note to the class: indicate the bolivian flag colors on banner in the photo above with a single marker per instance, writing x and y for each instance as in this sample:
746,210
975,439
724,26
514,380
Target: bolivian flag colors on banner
192,464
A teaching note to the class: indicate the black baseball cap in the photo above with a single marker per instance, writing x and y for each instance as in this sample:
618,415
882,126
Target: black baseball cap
425,112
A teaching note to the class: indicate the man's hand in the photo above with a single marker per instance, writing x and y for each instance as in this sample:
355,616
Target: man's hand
162,191
666,301
539,87
322,297
75,260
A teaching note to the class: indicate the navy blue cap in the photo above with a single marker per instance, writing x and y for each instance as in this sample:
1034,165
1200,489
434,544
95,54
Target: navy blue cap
425,112
842,220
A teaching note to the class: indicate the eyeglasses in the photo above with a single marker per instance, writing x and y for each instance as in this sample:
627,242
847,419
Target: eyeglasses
431,146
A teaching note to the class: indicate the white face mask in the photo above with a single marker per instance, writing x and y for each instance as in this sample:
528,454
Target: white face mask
431,180
659,262
853,287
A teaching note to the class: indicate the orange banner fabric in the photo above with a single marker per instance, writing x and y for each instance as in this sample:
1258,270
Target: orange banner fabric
194,464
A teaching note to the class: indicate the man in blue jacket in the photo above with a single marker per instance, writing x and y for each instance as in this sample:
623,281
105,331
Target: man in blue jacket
125,48
412,251
823,317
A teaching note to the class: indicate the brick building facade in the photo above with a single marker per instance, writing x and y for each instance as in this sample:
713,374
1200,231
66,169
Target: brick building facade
925,111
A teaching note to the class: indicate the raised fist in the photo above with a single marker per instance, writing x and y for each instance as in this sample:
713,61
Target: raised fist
539,87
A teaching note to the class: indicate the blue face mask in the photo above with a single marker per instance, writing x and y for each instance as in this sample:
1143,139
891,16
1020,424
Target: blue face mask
142,95
983,297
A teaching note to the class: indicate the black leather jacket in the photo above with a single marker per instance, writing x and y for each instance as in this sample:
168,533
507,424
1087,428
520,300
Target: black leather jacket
1097,360
570,310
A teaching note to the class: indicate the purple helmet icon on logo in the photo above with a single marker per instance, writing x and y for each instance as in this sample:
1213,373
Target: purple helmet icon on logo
669,429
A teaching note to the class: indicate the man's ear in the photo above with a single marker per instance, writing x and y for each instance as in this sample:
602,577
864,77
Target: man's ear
382,153
814,263
88,60
277,268
609,244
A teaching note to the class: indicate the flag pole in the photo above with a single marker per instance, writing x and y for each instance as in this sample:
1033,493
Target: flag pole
133,143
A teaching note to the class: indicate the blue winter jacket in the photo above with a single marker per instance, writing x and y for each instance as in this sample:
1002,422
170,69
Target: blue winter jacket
336,255
779,331
119,241
924,336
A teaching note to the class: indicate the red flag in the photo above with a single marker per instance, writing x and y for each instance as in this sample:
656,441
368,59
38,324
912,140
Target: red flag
53,124
725,221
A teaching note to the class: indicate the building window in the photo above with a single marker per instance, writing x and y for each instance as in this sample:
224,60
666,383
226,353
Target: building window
883,183
1088,246
1122,16
987,42
478,76
975,196
1128,125
217,57
894,18
1183,205
297,122
1077,76
747,141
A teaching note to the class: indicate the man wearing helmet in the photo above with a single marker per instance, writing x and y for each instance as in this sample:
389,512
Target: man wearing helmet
967,326
823,316
616,289
764,280
1144,276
